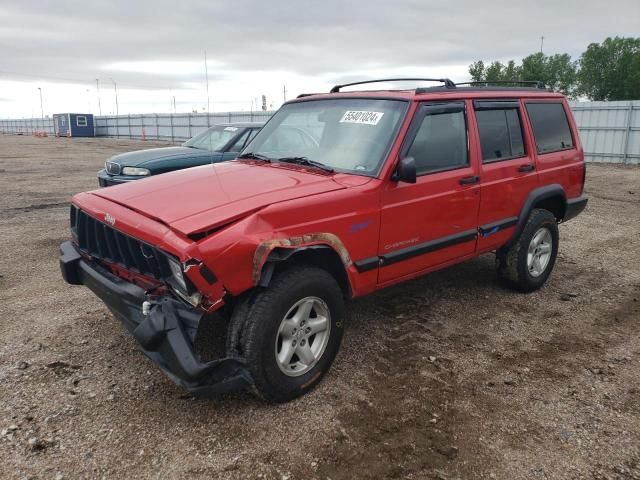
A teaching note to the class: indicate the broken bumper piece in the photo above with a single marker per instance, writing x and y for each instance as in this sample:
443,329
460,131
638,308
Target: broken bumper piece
165,335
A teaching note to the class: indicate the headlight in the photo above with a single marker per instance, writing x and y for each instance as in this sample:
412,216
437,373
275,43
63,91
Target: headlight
135,171
177,274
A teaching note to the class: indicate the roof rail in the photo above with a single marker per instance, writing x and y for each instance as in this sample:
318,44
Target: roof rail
302,95
533,83
448,83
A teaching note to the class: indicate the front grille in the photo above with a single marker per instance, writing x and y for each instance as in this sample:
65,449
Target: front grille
112,168
106,243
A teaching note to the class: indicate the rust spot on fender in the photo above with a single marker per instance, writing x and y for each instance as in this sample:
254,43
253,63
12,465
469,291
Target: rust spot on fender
265,248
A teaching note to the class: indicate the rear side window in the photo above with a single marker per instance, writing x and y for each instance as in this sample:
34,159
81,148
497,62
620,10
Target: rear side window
441,140
550,127
500,134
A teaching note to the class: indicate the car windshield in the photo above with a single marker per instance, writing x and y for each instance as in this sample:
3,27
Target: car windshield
214,139
347,135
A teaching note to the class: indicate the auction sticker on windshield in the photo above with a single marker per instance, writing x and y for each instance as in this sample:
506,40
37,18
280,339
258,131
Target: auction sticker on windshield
360,116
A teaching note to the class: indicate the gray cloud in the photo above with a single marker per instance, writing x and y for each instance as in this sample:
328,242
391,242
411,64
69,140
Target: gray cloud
73,41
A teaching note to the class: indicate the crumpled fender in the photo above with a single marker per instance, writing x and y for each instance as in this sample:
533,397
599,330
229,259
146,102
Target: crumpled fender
265,248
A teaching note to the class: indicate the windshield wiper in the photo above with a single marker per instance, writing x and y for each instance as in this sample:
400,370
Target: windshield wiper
255,156
306,162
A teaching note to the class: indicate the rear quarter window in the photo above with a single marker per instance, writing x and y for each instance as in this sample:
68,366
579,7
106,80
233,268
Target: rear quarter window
550,127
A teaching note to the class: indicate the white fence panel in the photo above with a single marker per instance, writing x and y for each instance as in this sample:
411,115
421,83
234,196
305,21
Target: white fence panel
610,131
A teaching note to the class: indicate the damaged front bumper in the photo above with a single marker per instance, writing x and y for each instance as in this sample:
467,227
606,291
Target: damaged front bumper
165,335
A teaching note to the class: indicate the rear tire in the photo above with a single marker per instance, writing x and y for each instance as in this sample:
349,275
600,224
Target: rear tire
526,265
291,331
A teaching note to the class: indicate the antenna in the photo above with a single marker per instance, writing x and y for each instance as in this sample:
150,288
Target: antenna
284,93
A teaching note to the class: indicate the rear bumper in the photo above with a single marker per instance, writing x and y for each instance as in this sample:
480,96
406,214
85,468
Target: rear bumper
575,206
165,335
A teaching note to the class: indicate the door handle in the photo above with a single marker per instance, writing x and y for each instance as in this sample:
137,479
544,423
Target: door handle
529,167
469,180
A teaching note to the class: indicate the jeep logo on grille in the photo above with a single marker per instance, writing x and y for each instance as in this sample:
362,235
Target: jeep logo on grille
109,219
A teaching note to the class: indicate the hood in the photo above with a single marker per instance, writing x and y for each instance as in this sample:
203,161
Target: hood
141,158
206,197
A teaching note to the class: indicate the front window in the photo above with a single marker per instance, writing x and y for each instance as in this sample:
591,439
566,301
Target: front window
347,135
214,139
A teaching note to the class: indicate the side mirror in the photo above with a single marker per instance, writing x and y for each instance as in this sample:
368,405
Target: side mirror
405,171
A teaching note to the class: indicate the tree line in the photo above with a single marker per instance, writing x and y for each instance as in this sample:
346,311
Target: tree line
605,71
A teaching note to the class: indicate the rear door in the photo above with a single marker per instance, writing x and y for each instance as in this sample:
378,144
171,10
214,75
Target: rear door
508,169
433,221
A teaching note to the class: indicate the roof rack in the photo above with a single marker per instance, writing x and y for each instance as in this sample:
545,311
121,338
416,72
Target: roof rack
447,83
533,83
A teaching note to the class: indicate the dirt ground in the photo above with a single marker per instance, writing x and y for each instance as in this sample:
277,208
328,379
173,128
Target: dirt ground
448,376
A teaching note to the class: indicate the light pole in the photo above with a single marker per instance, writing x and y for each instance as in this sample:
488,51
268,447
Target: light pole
115,87
41,109
206,74
98,90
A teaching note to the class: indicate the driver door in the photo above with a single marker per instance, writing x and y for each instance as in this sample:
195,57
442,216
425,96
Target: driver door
433,221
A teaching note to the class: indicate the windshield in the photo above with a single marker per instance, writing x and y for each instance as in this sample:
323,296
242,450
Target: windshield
215,138
347,135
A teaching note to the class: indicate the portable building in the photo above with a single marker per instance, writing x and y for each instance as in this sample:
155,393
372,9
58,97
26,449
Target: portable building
73,125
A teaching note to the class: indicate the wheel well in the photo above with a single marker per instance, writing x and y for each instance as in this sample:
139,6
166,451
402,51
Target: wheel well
556,204
321,256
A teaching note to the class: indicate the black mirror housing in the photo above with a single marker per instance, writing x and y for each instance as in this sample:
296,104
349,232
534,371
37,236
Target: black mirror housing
405,171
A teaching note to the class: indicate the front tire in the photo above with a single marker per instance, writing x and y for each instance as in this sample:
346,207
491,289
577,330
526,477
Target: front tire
526,265
291,331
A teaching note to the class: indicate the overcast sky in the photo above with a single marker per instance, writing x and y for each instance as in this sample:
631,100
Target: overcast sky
154,49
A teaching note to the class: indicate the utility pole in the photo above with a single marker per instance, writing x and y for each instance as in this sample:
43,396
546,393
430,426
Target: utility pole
174,104
541,43
41,109
98,89
115,87
206,74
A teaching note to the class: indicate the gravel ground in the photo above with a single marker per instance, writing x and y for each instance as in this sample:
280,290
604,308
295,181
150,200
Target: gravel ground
448,376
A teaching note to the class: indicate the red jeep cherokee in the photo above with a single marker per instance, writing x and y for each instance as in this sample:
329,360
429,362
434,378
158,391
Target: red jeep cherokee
367,189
